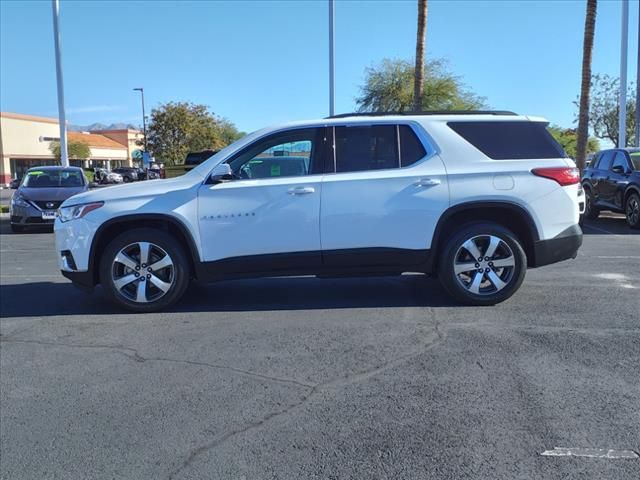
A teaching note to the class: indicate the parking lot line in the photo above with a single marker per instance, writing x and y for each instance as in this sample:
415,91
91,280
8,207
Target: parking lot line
590,453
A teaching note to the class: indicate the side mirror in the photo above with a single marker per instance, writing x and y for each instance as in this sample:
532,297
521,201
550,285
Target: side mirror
221,173
619,169
14,184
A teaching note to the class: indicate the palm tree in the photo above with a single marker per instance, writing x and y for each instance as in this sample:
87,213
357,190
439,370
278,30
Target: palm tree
420,41
587,51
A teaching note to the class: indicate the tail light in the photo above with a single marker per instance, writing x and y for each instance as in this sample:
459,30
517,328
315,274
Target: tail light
563,175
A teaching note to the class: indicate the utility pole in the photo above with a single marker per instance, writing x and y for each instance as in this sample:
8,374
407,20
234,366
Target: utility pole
144,118
64,156
622,118
332,99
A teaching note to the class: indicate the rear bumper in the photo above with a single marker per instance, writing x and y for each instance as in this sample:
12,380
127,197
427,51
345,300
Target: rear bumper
563,246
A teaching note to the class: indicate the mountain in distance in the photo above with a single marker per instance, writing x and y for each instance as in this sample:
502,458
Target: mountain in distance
101,126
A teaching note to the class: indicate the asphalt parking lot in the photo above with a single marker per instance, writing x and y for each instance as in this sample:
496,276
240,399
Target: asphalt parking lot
376,378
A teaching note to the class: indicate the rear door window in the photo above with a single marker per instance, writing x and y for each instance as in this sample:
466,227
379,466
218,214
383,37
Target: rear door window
411,148
363,148
510,140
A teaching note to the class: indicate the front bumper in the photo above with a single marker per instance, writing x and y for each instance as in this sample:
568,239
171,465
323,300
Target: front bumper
28,216
82,280
563,246
73,241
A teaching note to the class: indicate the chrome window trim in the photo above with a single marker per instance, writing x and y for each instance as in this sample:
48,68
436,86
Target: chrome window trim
429,145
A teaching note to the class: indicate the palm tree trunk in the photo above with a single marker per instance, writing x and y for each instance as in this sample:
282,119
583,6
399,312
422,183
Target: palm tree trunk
420,43
583,115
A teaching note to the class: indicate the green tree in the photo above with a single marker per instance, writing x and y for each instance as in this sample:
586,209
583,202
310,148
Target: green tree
603,117
568,138
177,128
228,131
75,150
388,87
585,89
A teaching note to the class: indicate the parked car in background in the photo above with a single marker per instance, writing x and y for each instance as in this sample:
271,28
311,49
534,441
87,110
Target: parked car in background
41,192
129,174
474,198
106,177
196,158
156,170
612,182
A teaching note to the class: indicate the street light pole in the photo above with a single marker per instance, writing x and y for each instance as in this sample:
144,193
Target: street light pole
332,99
144,121
622,118
638,87
64,156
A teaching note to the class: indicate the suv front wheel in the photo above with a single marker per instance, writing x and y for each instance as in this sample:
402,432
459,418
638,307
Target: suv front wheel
483,264
144,270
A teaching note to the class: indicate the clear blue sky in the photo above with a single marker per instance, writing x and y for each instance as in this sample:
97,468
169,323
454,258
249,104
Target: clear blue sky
263,62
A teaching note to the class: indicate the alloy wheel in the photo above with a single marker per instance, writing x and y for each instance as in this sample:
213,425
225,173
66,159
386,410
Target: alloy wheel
142,272
633,210
484,264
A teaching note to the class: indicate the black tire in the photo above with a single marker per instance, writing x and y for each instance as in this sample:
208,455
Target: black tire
162,241
17,228
126,179
591,212
632,210
509,251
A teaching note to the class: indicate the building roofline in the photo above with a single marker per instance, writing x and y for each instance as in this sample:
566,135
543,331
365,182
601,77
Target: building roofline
117,130
32,118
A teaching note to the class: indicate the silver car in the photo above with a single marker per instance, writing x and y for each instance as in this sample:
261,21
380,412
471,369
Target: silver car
41,192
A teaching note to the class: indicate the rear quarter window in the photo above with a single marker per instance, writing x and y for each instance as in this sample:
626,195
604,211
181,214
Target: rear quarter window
510,140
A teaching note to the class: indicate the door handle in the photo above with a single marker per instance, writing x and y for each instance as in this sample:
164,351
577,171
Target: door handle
301,190
427,182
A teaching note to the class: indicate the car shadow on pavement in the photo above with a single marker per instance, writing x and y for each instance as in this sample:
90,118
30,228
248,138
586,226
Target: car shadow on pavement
608,224
294,293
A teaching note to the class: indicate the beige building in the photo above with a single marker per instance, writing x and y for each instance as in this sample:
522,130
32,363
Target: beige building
25,142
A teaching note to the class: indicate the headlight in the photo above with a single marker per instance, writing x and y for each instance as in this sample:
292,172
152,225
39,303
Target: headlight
18,201
77,211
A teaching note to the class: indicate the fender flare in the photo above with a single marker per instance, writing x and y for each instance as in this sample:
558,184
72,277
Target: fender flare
157,217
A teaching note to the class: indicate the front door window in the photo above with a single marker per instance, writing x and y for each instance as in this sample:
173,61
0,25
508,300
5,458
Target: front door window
290,154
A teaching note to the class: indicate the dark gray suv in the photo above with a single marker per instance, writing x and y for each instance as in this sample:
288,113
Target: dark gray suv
41,192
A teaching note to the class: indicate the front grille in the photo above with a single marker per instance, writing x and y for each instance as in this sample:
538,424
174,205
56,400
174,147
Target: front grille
47,204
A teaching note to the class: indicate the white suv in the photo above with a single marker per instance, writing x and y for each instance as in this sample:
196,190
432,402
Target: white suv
473,197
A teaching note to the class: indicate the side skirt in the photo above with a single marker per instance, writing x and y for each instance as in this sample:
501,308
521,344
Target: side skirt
333,263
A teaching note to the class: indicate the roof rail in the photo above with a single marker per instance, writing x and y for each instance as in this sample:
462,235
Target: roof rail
425,112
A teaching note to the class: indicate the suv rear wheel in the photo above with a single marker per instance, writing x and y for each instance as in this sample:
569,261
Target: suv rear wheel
144,270
483,264
632,210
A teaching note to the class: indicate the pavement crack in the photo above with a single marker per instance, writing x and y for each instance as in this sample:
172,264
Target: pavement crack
434,339
196,452
133,354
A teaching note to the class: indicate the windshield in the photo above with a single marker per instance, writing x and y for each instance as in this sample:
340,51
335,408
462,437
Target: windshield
53,179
